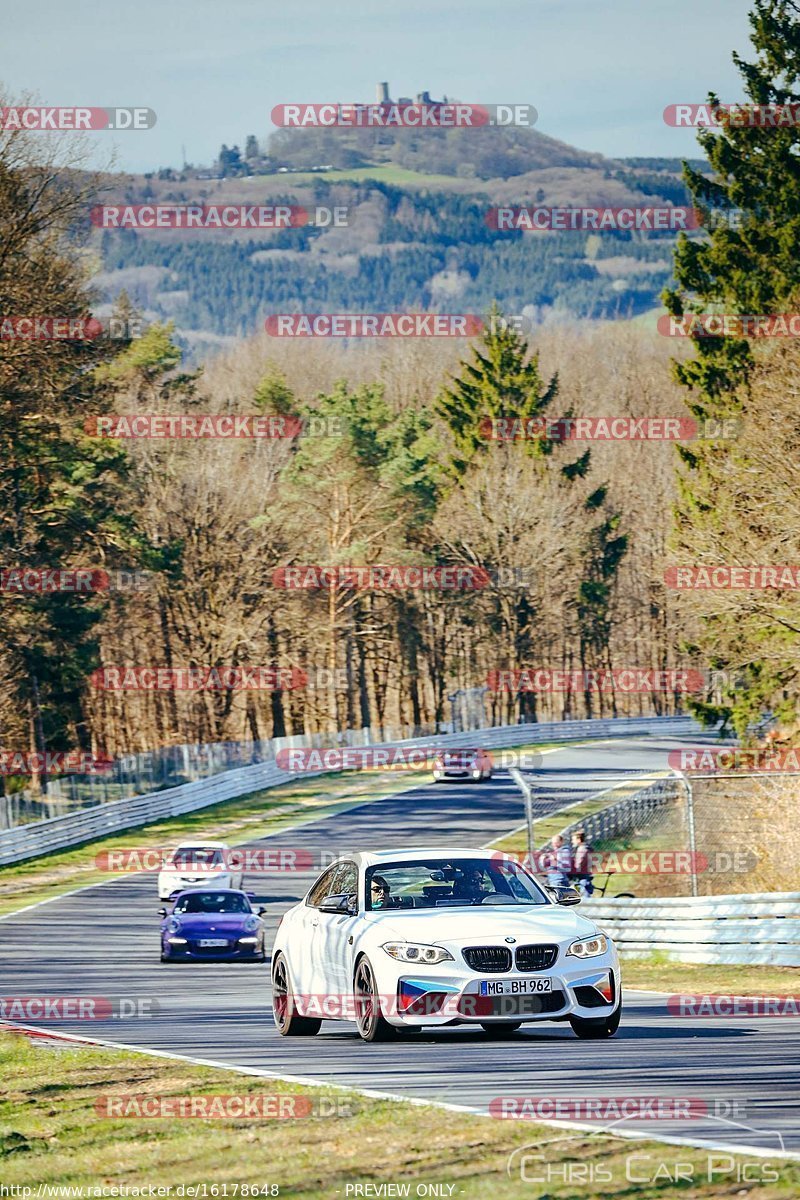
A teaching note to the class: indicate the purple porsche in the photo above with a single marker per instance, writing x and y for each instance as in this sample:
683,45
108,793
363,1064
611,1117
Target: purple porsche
212,924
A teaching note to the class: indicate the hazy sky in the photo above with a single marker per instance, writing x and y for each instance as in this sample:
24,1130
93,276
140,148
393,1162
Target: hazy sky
599,72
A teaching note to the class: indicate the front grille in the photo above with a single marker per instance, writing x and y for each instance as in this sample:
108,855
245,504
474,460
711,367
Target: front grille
489,959
478,1007
535,958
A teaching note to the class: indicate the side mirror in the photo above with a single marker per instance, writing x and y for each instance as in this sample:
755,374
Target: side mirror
566,895
260,912
162,912
342,904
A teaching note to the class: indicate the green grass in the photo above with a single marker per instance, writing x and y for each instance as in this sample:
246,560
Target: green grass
51,1133
657,974
384,174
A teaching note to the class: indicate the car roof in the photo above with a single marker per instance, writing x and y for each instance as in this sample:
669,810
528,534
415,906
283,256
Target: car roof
196,891
369,858
202,844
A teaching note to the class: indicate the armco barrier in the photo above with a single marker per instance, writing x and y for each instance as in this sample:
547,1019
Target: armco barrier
757,929
71,829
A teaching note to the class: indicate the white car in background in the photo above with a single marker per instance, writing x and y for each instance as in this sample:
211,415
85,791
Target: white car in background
198,864
398,940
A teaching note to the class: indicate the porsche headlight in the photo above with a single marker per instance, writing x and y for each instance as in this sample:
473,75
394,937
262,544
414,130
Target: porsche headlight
589,947
416,952
251,925
174,925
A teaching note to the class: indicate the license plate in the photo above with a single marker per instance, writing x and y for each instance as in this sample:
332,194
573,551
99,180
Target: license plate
208,942
516,987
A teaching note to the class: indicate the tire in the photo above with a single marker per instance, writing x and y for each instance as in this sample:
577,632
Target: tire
287,1021
623,896
598,1027
372,1025
496,1029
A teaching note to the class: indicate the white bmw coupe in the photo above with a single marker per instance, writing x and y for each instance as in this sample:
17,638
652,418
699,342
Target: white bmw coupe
398,940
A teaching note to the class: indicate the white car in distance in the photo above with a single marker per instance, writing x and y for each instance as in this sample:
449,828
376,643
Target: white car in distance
198,864
399,940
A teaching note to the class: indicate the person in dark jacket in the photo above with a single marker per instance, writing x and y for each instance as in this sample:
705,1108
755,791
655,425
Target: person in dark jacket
582,863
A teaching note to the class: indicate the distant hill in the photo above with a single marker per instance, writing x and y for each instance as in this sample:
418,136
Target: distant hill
482,153
417,235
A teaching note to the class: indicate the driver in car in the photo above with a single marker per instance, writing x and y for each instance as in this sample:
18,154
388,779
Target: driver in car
379,892
470,886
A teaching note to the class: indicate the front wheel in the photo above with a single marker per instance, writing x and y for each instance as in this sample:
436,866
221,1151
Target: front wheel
597,1027
372,1025
287,1019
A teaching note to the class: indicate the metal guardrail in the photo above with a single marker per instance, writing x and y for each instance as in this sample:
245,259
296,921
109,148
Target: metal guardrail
759,929
72,829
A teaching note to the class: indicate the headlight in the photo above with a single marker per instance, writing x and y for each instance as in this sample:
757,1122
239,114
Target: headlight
589,947
174,925
415,952
251,925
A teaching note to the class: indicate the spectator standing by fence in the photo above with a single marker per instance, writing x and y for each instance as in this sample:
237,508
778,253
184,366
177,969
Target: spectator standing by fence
559,864
582,863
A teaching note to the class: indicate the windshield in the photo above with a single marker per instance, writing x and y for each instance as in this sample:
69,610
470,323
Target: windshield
212,902
450,883
197,858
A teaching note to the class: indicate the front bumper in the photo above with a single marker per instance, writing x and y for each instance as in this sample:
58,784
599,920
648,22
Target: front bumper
190,950
441,997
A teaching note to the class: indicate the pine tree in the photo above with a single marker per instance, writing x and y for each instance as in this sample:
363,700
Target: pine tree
748,263
501,380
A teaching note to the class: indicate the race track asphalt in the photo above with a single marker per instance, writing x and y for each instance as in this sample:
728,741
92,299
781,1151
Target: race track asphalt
104,941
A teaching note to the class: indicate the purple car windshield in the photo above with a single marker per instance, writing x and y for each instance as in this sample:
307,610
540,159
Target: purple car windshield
212,902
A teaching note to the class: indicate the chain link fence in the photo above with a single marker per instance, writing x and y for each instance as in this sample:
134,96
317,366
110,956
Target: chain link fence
707,835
